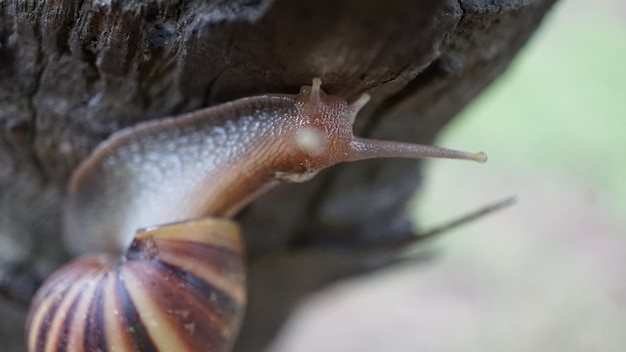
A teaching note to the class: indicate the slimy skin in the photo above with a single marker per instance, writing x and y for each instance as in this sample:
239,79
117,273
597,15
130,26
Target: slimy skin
214,161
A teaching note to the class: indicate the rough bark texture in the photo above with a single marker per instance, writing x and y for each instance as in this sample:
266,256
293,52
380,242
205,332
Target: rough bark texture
73,72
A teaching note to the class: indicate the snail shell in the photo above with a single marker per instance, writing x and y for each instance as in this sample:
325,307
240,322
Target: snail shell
178,287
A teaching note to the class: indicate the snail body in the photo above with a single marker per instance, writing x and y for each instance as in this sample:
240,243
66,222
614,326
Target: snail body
193,171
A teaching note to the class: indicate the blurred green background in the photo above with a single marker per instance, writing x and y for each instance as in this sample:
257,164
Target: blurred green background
548,274
560,110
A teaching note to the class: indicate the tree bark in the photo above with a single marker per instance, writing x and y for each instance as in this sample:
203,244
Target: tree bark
73,72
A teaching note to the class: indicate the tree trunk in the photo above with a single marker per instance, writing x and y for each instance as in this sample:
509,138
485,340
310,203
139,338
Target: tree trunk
73,72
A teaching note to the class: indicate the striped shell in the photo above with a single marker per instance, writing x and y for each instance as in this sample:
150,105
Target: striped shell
179,287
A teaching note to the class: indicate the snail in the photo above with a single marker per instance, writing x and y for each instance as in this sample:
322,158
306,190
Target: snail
165,190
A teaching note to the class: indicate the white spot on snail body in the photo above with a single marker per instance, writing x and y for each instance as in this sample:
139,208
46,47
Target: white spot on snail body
182,313
190,327
310,140
295,177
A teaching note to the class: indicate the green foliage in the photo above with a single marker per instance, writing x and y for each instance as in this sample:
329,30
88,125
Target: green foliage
561,108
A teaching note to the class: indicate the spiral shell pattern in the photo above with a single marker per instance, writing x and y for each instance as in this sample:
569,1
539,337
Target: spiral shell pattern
178,287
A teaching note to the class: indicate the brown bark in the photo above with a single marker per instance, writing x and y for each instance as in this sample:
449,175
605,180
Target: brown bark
73,72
